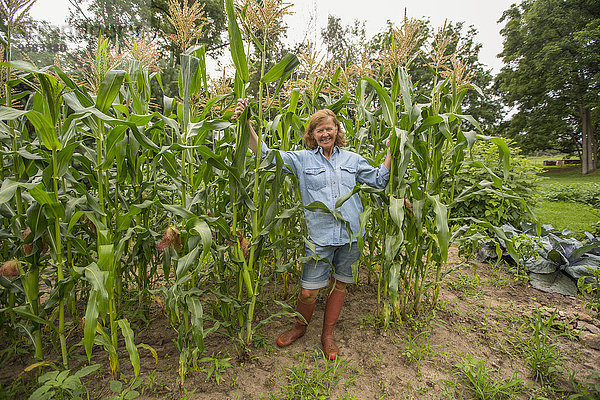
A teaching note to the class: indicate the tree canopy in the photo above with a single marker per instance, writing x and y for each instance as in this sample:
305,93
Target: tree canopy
552,75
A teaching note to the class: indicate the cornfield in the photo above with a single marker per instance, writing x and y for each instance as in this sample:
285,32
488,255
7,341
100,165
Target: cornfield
109,192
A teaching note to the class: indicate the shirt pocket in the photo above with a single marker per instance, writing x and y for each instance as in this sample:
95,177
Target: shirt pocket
348,176
315,178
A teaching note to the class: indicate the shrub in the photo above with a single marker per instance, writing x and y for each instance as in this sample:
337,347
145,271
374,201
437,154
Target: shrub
508,204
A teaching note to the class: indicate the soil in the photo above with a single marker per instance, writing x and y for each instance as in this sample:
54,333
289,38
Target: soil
483,315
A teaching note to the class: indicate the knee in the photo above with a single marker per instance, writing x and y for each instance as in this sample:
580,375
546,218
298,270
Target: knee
308,295
341,286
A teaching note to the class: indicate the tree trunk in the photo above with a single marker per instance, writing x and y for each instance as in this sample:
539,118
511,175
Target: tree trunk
589,157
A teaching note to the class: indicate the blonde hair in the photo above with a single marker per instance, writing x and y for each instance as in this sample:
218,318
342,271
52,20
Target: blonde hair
316,120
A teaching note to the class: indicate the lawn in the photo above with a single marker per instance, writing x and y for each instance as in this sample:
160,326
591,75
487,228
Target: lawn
575,217
569,174
564,194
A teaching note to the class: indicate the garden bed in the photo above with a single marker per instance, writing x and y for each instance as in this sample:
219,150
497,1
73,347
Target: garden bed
483,316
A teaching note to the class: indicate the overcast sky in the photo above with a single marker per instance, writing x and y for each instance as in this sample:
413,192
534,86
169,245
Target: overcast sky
311,16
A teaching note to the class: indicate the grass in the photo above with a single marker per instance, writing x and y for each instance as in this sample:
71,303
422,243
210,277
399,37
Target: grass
464,283
569,174
475,380
543,357
315,377
576,217
564,190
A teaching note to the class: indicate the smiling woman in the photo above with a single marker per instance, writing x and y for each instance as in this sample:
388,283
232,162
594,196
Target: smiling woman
324,130
326,173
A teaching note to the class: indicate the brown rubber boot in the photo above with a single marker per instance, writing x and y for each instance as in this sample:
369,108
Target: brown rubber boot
332,313
299,328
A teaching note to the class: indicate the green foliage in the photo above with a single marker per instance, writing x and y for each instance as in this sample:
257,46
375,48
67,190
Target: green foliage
544,358
344,43
590,286
317,379
61,385
527,247
216,367
509,204
576,218
589,390
92,179
464,283
548,254
578,193
129,392
417,347
486,109
480,382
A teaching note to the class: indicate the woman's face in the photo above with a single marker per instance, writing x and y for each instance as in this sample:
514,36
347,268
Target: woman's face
325,134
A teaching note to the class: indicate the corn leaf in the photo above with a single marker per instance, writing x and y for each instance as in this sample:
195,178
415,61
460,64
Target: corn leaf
9,113
441,222
196,319
44,129
134,356
185,263
387,107
91,320
109,88
236,44
9,188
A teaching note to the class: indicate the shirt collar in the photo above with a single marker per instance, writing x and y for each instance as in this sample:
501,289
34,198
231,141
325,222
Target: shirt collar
319,149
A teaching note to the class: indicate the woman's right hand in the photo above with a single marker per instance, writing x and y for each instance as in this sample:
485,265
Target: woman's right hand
239,109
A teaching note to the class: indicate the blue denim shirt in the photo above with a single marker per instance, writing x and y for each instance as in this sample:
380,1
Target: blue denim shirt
326,181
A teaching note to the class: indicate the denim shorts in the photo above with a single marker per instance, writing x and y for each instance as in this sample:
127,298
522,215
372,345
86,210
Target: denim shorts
315,274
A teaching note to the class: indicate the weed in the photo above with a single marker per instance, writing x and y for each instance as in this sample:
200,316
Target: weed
463,283
125,393
262,341
586,390
15,390
417,348
497,278
318,380
476,376
149,382
543,358
590,286
526,248
63,385
216,367
187,394
369,321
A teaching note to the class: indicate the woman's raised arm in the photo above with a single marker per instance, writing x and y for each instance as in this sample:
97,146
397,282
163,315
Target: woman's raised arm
239,109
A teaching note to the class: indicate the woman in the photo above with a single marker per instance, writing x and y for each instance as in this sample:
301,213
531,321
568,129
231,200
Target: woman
326,172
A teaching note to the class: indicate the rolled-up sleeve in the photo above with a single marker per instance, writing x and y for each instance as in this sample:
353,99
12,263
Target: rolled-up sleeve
289,158
377,177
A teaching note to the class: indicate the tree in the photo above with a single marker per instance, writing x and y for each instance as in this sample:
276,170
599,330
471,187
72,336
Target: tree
40,43
344,43
122,20
552,73
115,20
